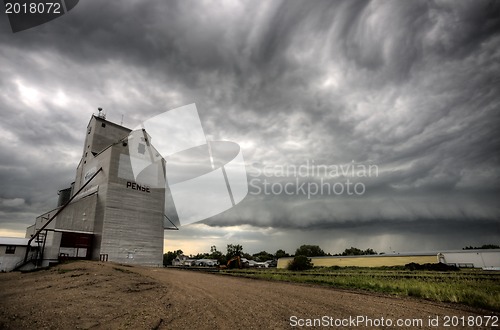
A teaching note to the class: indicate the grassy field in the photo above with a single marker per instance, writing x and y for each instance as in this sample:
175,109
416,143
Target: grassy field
473,287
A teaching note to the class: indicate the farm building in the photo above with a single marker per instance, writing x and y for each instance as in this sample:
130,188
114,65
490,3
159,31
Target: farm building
487,258
12,252
182,260
111,214
459,258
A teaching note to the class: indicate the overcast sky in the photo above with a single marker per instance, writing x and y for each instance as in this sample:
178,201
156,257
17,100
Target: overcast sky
410,87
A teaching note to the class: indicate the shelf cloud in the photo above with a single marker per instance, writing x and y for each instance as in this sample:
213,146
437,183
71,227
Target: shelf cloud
409,87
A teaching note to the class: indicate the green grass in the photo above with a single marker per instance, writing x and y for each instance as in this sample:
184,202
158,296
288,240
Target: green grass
471,287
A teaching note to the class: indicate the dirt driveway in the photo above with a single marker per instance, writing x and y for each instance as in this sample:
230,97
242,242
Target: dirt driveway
85,295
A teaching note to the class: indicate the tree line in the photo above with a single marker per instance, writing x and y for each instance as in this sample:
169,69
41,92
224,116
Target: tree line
304,252
233,250
483,247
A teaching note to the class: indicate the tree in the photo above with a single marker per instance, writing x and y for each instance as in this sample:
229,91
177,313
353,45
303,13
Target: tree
201,256
352,252
170,256
281,254
234,250
357,252
263,256
369,251
214,254
300,262
485,246
310,251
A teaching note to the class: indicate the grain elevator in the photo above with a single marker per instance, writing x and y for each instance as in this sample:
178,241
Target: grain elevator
107,213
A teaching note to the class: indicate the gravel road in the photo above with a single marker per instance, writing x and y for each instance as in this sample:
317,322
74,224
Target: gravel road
94,295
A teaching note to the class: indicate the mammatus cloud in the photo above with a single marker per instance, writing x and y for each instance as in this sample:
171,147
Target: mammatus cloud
410,87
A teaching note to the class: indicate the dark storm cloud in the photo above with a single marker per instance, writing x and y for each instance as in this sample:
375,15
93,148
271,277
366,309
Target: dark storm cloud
409,86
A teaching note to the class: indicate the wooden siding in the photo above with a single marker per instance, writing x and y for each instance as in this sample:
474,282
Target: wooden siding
132,227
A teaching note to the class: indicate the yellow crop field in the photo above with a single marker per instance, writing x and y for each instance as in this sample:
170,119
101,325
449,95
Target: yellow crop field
364,261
